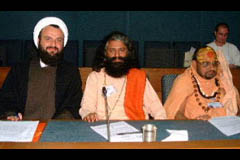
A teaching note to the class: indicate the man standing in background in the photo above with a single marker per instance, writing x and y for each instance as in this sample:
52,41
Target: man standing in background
230,51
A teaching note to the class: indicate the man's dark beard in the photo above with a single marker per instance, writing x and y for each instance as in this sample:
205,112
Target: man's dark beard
210,76
117,69
48,59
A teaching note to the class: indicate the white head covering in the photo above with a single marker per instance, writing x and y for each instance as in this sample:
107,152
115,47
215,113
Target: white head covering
48,21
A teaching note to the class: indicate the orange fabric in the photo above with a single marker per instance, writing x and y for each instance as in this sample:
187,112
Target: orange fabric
136,81
232,96
182,93
39,131
181,102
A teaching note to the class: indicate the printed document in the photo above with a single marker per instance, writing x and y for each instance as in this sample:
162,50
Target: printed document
176,135
17,131
119,132
228,125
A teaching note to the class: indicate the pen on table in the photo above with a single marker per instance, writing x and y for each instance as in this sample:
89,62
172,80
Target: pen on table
128,133
18,115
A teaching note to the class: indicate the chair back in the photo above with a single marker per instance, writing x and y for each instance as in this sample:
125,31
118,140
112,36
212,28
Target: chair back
158,54
167,82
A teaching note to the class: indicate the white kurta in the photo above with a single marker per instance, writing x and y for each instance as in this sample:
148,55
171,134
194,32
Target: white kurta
230,52
93,100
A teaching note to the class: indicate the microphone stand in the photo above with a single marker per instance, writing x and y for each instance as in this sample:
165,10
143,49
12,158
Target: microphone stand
104,90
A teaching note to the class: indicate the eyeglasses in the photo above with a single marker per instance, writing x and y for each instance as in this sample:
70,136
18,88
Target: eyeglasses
207,64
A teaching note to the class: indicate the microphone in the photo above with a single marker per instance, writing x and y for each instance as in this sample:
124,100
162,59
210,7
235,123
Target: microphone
104,91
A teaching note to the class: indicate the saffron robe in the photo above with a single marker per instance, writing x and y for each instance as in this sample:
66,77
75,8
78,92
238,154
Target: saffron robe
181,102
93,101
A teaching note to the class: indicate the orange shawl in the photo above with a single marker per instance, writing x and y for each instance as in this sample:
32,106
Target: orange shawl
231,99
136,81
181,91
39,131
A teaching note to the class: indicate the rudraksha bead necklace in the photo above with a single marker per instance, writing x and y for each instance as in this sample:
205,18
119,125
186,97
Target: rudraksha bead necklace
197,89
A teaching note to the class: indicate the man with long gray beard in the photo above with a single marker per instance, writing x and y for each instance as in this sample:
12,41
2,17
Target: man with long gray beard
45,87
129,93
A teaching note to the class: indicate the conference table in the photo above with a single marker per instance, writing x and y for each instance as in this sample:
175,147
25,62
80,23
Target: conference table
77,134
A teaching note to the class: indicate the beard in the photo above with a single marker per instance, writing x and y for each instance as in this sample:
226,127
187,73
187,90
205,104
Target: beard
117,69
210,74
51,60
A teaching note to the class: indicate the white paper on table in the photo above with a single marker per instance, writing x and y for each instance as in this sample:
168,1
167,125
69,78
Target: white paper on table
17,131
136,137
176,135
115,129
228,125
